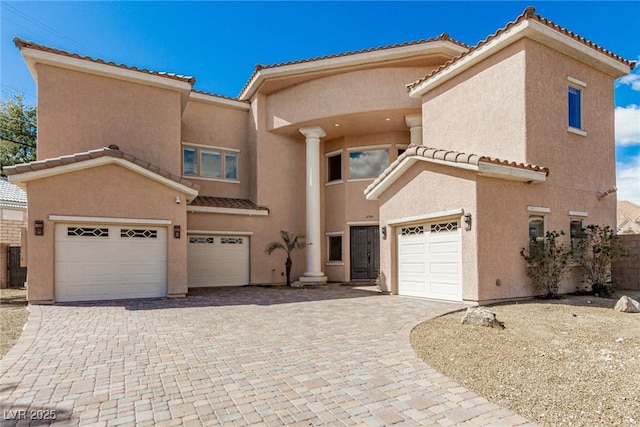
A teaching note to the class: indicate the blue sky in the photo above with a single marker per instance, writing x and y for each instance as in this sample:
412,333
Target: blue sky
219,43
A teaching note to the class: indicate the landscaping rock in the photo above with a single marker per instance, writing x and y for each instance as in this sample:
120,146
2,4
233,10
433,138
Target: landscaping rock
480,316
627,305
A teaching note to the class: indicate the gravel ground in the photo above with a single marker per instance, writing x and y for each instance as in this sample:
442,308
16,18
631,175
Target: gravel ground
573,361
13,316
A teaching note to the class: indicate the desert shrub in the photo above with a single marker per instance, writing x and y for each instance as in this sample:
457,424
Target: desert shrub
547,262
596,250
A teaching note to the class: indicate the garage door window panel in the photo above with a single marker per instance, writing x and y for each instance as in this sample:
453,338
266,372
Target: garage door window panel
87,232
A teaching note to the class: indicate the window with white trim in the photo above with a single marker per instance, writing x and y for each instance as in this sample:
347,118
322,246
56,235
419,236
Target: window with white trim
205,163
536,234
334,248
368,163
575,232
574,97
334,167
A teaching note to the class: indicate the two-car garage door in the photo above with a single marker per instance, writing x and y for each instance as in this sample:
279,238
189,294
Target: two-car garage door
430,261
104,262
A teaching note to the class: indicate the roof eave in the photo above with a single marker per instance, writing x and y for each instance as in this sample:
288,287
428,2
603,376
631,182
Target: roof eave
33,57
21,179
219,101
228,211
533,30
492,170
262,74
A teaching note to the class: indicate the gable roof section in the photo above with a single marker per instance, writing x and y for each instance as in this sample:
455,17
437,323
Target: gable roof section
12,196
483,165
533,26
226,205
22,174
327,62
34,53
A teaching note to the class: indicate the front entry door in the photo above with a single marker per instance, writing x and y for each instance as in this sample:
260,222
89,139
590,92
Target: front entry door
365,253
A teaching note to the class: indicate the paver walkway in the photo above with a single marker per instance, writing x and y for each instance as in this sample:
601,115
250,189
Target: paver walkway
236,356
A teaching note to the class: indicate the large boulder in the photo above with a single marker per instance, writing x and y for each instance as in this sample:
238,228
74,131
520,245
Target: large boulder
480,316
627,305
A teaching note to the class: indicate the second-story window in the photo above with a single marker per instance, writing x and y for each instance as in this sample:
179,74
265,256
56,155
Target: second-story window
367,163
575,107
334,167
216,164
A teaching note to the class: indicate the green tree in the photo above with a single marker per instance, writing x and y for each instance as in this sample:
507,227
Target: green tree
290,242
18,132
598,248
547,263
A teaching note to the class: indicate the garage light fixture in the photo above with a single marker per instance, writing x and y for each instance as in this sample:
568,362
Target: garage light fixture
176,231
38,225
467,221
383,230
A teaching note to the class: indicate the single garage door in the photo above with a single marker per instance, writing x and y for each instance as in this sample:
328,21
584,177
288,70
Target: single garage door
218,261
430,261
104,262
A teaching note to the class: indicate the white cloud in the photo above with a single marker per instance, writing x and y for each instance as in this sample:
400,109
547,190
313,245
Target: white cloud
628,125
628,180
632,80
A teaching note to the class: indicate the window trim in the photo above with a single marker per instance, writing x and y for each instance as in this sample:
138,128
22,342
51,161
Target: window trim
328,237
199,150
328,158
578,85
544,229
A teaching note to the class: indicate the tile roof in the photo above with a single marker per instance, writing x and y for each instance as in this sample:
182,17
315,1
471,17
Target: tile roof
452,157
230,98
627,210
226,202
20,44
529,13
441,37
11,195
111,151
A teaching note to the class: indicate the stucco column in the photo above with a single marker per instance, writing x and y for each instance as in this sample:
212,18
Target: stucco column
414,123
313,272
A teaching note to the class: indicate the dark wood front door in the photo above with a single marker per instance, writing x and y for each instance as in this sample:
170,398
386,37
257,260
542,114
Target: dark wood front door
365,253
17,274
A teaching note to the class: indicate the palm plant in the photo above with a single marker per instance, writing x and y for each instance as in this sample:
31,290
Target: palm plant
290,242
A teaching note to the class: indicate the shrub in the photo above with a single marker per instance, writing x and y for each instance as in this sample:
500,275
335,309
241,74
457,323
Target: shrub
596,250
547,263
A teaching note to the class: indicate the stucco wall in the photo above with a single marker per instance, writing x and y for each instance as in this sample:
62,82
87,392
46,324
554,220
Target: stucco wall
105,191
212,125
627,271
576,161
78,112
347,93
482,110
428,189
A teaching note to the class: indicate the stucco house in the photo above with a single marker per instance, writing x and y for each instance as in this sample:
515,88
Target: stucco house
429,164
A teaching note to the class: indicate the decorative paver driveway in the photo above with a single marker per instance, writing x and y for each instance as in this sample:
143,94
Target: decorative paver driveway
236,356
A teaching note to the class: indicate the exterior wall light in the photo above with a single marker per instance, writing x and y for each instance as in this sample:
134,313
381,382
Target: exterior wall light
467,221
38,225
383,230
176,231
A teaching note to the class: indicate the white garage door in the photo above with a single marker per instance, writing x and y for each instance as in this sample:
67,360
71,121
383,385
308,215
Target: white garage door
103,262
218,261
430,261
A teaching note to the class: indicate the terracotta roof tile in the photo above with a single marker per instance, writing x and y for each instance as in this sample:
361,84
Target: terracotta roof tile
451,157
20,44
94,154
529,13
441,37
226,202
218,95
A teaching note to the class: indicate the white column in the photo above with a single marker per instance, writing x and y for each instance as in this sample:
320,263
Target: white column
314,273
414,123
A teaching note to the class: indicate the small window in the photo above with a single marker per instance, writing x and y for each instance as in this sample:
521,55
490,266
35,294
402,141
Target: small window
368,164
536,233
189,162
210,164
335,248
575,232
231,166
575,108
334,168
